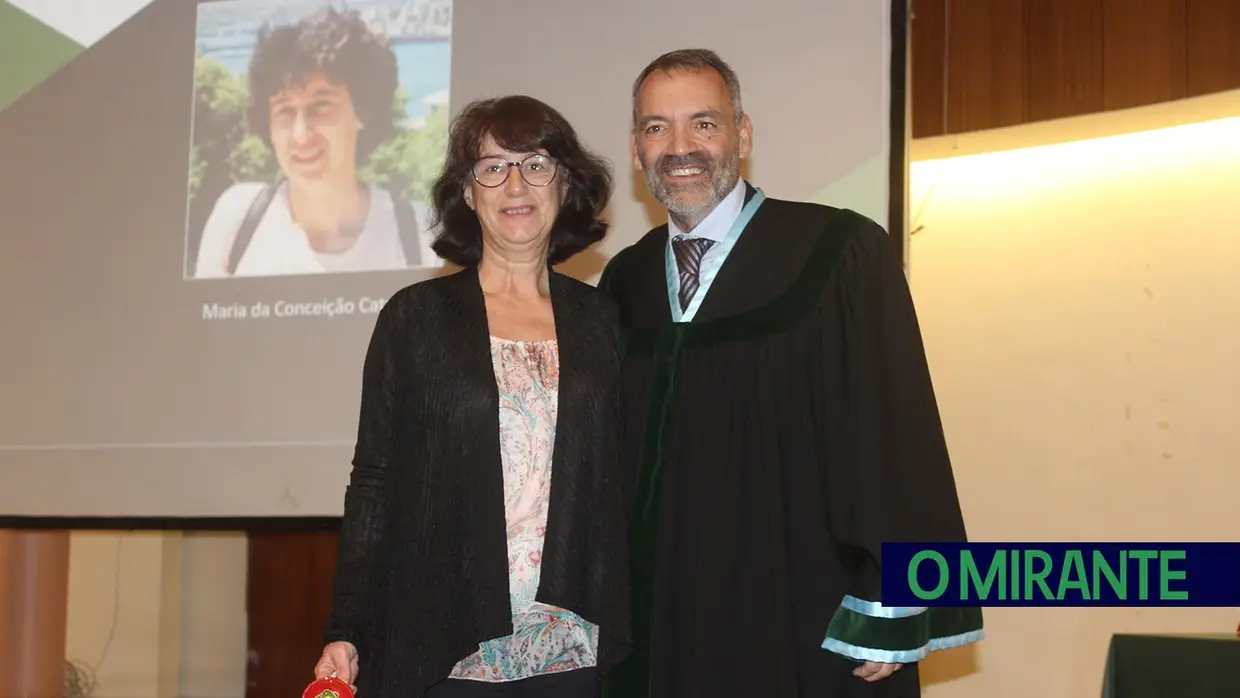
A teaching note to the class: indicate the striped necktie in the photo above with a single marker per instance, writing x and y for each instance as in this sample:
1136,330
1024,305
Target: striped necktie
689,252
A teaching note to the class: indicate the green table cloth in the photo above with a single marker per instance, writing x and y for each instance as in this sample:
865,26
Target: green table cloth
1172,666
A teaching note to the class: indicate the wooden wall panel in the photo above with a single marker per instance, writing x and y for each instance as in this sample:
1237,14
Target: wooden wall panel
980,64
927,37
288,597
1064,74
985,93
1212,46
1143,52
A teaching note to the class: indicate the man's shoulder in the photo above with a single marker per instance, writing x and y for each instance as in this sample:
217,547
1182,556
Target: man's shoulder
650,245
811,213
816,220
652,242
852,239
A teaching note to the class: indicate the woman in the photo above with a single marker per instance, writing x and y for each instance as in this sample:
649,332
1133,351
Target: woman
483,549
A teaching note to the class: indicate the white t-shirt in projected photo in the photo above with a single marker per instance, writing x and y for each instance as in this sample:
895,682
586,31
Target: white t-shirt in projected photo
279,247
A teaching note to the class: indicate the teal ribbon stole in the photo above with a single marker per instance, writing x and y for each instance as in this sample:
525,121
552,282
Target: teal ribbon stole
710,265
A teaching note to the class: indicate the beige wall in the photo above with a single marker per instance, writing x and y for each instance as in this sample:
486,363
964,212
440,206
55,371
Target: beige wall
1080,310
159,615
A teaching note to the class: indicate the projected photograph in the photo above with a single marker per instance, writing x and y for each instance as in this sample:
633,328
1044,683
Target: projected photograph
318,128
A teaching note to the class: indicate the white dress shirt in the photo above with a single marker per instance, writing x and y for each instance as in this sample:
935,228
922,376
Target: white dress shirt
714,227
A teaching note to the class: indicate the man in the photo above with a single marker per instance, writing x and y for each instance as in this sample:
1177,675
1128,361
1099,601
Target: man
781,420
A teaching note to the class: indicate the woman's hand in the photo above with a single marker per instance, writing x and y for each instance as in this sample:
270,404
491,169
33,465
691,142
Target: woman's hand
340,660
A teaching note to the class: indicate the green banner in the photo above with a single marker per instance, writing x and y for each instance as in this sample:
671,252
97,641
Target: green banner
30,51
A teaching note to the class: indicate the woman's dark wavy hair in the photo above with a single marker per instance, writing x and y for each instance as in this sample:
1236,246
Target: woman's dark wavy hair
341,47
521,124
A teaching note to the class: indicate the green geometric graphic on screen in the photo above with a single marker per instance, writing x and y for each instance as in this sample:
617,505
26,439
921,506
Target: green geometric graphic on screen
864,189
39,37
30,52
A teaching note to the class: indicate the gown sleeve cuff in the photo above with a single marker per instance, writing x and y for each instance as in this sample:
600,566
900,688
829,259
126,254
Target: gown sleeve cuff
336,631
871,632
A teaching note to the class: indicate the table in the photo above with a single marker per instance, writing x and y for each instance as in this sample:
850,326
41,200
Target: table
1172,666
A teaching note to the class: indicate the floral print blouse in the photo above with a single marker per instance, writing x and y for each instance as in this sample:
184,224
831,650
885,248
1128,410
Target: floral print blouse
546,639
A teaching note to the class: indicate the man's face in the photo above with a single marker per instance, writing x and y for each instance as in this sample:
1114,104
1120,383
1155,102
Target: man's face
314,131
687,141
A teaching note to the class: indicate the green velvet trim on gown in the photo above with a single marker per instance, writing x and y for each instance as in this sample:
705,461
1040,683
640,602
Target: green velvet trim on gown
793,304
666,346
905,639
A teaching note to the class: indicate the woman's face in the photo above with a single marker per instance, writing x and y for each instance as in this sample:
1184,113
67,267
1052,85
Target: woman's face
314,133
515,213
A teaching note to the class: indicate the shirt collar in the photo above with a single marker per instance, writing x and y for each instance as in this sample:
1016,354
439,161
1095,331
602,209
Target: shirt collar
716,225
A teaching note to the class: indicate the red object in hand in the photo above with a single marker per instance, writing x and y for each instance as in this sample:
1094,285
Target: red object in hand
330,687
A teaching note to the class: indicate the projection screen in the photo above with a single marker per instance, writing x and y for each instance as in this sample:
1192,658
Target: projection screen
171,350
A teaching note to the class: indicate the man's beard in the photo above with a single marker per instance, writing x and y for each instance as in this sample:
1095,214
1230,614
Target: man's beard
690,203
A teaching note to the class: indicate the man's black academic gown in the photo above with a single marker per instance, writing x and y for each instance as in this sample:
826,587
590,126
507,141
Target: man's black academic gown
777,440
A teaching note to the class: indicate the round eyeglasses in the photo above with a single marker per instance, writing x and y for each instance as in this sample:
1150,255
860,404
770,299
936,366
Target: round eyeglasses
537,170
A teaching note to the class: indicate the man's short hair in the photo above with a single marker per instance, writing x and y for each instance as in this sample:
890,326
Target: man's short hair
693,60
341,47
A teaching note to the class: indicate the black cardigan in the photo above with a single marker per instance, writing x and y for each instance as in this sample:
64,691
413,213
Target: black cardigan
423,569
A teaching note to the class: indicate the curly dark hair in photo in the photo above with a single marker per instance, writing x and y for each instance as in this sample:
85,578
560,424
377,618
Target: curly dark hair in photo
524,125
339,46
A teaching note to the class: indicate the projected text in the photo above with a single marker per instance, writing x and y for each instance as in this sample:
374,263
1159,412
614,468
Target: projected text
338,307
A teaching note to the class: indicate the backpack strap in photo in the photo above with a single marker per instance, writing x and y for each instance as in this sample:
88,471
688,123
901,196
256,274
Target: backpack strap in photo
407,228
245,233
406,225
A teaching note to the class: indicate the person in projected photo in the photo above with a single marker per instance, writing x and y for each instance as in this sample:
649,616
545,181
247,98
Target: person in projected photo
321,97
483,549
780,413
